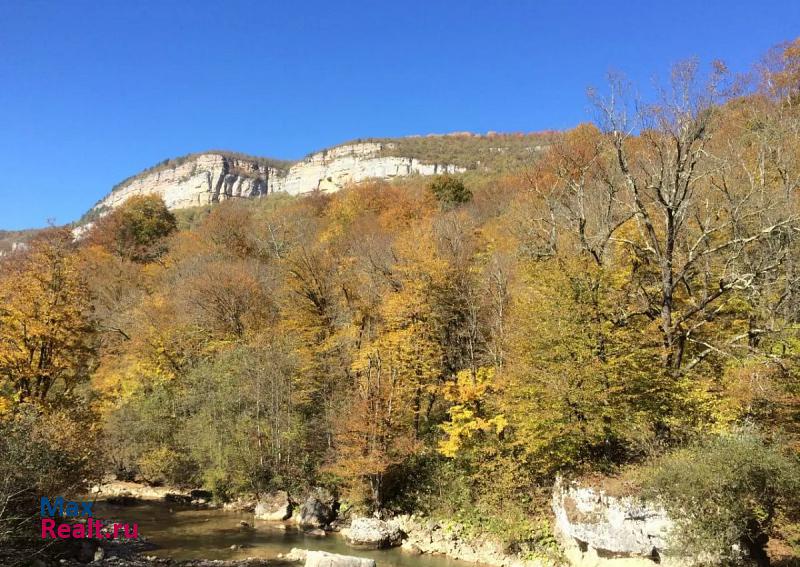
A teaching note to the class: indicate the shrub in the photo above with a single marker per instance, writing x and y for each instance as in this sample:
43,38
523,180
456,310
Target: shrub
725,492
40,455
165,465
449,191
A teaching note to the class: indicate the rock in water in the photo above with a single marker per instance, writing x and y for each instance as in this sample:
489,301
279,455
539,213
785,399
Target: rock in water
318,511
296,554
372,532
323,559
275,507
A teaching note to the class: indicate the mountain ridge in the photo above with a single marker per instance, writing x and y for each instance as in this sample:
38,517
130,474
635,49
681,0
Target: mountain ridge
204,178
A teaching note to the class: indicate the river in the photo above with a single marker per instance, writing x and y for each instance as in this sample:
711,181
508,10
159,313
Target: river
190,533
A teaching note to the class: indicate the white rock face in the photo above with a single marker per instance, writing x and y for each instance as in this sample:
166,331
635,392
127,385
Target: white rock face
202,180
324,559
210,178
372,532
15,246
333,169
608,526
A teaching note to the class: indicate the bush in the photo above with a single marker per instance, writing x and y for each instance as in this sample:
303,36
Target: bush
725,492
40,455
449,192
167,466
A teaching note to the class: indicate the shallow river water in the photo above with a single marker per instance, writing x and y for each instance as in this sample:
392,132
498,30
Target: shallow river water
191,533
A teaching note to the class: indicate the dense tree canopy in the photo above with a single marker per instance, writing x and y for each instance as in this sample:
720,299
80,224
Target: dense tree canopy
454,345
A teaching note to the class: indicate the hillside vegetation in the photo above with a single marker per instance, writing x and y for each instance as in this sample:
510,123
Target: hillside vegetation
627,303
493,152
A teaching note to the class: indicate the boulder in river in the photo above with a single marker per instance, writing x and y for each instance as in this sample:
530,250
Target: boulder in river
324,559
318,511
275,507
372,532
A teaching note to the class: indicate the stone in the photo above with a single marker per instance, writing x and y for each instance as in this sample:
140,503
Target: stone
622,526
296,554
240,505
324,559
99,554
411,548
315,532
372,532
437,538
274,507
318,511
177,498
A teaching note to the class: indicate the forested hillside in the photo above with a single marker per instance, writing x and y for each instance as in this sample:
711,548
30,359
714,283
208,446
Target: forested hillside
623,303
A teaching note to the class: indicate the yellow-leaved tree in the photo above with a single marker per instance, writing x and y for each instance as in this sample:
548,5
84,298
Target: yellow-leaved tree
45,320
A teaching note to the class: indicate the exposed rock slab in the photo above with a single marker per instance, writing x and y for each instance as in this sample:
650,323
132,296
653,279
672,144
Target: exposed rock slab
209,178
372,532
318,511
604,526
274,507
426,536
136,491
201,180
324,559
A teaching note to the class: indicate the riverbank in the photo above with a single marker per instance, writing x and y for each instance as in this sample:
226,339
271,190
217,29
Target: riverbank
443,537
149,561
420,535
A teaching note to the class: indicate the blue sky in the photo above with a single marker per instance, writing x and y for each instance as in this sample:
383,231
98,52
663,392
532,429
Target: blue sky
93,92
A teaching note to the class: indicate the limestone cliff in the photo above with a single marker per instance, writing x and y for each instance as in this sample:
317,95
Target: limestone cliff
199,180
332,169
208,178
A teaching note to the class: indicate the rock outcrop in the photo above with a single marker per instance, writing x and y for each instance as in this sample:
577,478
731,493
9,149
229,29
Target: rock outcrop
199,180
212,177
333,169
325,559
372,532
427,536
318,511
274,507
593,526
124,490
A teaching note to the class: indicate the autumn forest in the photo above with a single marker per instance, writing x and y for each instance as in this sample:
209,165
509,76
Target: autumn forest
624,306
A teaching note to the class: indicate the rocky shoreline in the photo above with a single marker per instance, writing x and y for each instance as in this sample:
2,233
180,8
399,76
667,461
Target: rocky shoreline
584,521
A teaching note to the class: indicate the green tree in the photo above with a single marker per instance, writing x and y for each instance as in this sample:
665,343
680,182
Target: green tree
449,191
579,391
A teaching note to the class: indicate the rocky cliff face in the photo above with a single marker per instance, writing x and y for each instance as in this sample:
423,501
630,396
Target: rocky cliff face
213,177
598,529
333,169
201,180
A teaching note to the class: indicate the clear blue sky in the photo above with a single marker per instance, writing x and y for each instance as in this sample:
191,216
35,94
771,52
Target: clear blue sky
93,92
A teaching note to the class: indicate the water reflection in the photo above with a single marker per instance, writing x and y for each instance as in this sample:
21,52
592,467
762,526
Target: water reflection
189,533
